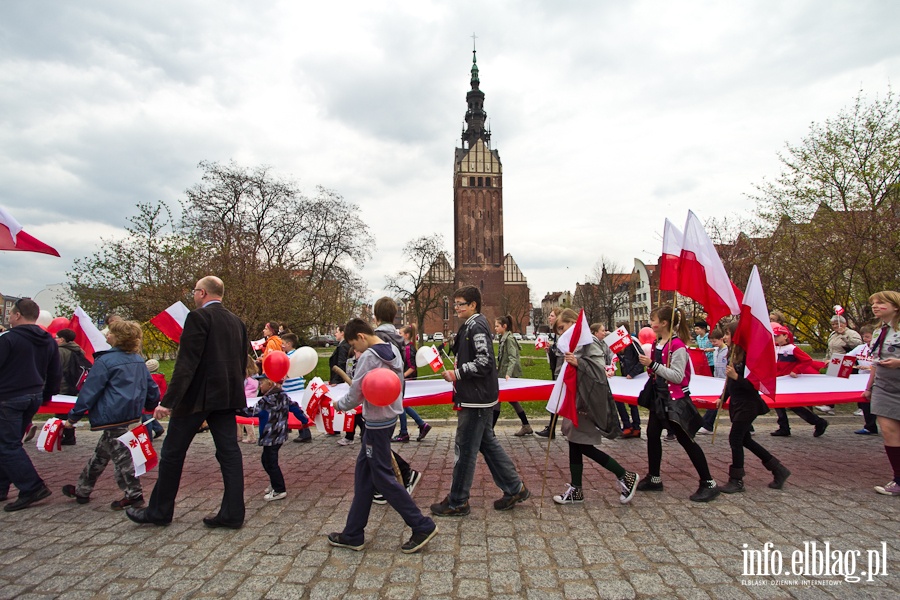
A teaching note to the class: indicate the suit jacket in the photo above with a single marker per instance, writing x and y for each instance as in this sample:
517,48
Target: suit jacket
211,363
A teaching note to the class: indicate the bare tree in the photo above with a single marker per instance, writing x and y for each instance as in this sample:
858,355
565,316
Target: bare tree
515,303
428,279
606,291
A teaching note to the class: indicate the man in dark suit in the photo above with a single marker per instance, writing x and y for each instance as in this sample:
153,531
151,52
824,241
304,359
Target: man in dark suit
207,385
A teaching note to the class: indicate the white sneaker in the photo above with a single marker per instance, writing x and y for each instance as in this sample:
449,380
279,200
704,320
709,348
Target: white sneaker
824,409
344,442
414,479
704,431
627,486
858,412
269,489
273,495
572,495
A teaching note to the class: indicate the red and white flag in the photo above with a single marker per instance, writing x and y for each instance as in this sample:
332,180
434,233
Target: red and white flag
702,276
13,238
50,436
562,398
171,321
671,256
258,344
429,355
139,442
87,335
541,343
841,365
754,335
618,340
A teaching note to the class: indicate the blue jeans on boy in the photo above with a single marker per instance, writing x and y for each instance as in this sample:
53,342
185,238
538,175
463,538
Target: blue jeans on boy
474,434
415,416
155,427
15,466
635,421
375,471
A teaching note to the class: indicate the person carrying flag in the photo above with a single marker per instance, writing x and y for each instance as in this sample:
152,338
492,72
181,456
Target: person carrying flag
115,393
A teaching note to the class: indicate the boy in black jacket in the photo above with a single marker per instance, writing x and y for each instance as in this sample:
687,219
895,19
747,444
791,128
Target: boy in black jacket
475,392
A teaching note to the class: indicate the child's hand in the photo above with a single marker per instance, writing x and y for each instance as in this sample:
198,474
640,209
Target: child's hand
731,373
449,375
795,375
570,358
645,360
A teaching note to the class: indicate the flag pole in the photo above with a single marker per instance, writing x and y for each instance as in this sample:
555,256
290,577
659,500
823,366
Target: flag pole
547,461
722,398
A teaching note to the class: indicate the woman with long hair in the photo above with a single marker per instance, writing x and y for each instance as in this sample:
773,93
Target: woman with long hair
670,402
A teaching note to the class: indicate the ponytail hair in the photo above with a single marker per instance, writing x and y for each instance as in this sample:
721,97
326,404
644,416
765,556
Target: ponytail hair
505,321
675,318
413,332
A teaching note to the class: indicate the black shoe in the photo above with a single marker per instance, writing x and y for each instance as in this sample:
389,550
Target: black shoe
215,522
648,485
66,442
417,541
300,440
821,426
707,491
158,433
377,498
26,501
139,515
126,502
507,502
781,433
69,492
545,432
423,431
443,509
337,539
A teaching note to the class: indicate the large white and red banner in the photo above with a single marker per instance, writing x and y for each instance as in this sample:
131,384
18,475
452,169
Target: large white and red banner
171,321
13,238
139,442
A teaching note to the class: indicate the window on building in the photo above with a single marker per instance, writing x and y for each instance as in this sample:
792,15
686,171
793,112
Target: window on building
487,182
471,182
481,182
446,308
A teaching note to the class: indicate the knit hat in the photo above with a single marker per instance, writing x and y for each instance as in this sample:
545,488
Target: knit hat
153,365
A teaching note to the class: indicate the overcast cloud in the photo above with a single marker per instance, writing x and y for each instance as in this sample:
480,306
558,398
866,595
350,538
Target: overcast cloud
609,116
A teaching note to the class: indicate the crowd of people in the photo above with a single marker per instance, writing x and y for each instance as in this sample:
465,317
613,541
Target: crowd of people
213,378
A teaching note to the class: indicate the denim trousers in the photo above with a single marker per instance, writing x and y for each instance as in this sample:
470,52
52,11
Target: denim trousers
270,464
474,434
15,466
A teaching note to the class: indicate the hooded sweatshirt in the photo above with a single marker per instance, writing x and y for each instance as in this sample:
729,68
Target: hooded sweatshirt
377,356
29,363
67,352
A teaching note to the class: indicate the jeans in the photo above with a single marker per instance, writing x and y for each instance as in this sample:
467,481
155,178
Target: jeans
709,419
374,471
270,464
15,466
473,435
635,421
871,423
415,417
155,427
182,430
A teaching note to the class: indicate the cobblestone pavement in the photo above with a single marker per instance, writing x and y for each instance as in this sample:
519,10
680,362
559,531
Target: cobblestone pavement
660,546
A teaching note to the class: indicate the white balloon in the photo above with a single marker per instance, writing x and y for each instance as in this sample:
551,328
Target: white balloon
425,355
303,362
647,348
45,317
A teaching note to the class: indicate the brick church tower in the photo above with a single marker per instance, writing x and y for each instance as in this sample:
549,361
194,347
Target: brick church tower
478,206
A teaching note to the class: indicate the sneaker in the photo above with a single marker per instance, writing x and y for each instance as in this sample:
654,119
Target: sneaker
273,495
423,431
344,442
704,431
824,409
377,498
649,485
69,492
524,430
634,433
269,489
781,433
443,509
572,495
865,431
821,426
337,539
418,541
29,434
26,501
508,502
414,478
670,438
891,488
403,438
126,502
545,432
628,486
707,491
858,412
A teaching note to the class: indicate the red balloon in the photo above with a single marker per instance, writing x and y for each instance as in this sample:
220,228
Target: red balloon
57,324
276,365
646,335
381,387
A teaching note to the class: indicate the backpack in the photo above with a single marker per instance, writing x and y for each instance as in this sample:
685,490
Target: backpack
77,370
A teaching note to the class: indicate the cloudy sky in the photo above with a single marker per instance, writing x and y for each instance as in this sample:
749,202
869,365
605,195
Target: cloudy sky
608,116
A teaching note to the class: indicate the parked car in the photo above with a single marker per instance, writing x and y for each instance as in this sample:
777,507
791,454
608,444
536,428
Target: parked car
437,337
530,337
518,337
324,340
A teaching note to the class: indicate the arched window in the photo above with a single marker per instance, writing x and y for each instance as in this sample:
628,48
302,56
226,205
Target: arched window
446,308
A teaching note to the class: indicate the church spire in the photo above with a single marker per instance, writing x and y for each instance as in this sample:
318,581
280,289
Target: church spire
475,115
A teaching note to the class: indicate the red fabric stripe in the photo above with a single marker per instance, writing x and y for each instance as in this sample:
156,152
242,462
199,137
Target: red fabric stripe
757,342
668,272
168,325
82,339
24,243
699,362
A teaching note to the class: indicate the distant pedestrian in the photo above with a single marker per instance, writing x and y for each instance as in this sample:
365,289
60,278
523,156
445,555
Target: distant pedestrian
884,383
509,365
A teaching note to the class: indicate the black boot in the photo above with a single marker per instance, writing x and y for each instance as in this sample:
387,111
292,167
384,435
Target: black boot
706,492
547,432
68,437
780,472
735,481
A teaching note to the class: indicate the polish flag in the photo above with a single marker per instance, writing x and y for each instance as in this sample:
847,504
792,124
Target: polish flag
87,335
562,398
541,343
754,335
13,238
171,321
428,355
50,436
671,256
139,443
702,276
258,344
618,340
